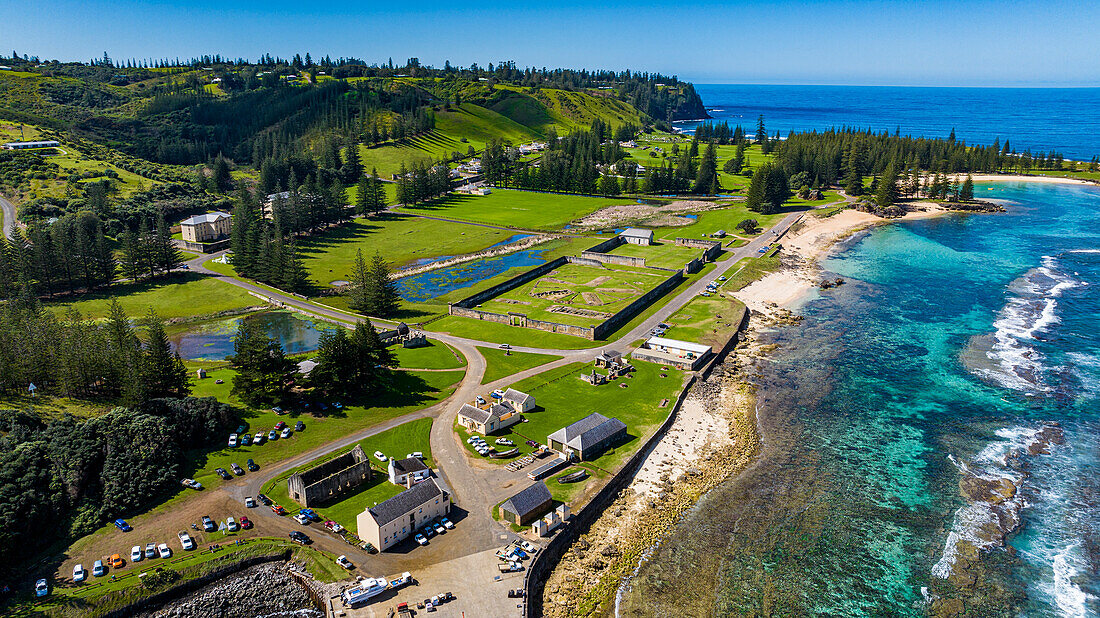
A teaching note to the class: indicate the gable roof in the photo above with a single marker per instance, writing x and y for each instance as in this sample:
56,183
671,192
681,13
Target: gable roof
408,466
588,431
397,506
611,355
637,232
475,414
209,217
697,348
517,396
527,500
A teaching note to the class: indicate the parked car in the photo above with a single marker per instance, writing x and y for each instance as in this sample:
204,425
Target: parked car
379,456
447,523
258,439
277,410
164,550
249,502
151,550
529,547
186,542
344,562
192,483
279,426
333,526
287,431
272,435
79,574
439,528
208,524
222,473
242,428
252,467
236,469
116,561
98,570
532,443
122,525
418,454
246,440
246,523
231,524
480,400
421,539
428,531
298,537
472,439
136,554
302,519
278,510
310,513
504,346
232,440
262,498
299,426
41,588
505,442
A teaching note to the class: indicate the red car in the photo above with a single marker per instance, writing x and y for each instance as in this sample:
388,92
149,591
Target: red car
246,523
279,426
278,510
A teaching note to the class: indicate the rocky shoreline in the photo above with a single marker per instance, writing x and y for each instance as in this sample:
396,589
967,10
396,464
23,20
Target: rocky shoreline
266,590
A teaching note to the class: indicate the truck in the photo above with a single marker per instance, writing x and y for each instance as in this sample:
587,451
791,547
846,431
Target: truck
401,580
403,610
368,588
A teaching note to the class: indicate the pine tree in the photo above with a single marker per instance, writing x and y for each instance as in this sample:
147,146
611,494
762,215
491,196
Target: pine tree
125,356
352,169
853,181
966,194
294,276
363,202
706,181
132,255
222,180
168,254
163,373
336,371
886,193
263,372
384,298
755,197
359,281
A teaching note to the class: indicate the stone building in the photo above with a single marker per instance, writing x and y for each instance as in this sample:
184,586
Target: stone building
527,505
587,438
329,480
388,523
205,228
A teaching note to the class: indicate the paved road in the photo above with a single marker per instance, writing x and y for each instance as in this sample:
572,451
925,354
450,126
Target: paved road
9,216
475,485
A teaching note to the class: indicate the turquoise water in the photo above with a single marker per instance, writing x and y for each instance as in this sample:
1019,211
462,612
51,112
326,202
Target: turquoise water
954,342
214,340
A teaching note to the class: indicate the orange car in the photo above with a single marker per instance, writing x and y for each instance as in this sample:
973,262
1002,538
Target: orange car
278,510
115,561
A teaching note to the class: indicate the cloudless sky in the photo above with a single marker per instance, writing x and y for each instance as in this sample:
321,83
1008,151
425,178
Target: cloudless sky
916,42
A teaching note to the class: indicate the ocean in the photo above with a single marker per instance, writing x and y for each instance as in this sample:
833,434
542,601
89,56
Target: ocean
948,392
1066,120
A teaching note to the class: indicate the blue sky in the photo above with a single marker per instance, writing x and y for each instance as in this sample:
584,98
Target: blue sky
931,42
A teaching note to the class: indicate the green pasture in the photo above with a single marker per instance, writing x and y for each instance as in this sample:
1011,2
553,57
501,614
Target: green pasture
517,209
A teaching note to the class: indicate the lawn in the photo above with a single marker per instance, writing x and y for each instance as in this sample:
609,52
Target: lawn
578,294
503,363
182,295
410,391
435,355
402,239
401,440
747,270
563,399
518,209
664,254
707,320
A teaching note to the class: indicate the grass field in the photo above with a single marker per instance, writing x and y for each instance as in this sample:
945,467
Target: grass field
410,391
594,293
564,399
400,238
503,363
435,355
707,320
747,270
397,442
518,209
660,254
179,296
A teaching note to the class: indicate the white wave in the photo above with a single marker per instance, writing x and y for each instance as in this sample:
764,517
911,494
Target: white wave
1031,310
1083,251
1071,600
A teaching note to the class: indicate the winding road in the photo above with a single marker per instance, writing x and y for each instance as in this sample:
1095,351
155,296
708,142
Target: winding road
9,216
474,486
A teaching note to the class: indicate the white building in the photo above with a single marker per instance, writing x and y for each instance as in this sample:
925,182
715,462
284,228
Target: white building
388,523
408,472
30,145
520,401
205,228
680,354
637,236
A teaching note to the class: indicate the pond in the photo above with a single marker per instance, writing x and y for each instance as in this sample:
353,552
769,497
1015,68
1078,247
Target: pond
439,258
434,283
213,341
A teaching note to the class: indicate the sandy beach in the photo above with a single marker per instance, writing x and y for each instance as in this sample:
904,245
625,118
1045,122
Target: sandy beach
1022,178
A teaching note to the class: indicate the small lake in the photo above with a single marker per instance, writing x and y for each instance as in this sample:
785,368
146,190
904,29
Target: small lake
213,341
440,258
434,283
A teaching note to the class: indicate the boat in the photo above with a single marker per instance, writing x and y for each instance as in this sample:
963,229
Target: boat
404,578
368,588
575,476
509,453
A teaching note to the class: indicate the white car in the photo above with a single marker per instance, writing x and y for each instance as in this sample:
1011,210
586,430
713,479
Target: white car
232,525
421,539
472,439
286,432
136,554
164,550
233,440
249,502
439,528
79,574
302,519
418,454
151,550
379,456
504,346
529,547
186,541
505,442
258,439
98,570
344,562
